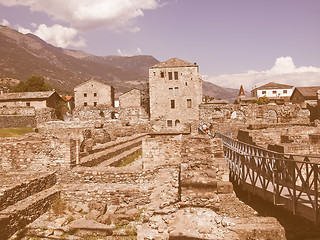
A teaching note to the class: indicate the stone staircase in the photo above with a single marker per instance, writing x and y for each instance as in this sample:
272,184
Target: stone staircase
23,198
107,153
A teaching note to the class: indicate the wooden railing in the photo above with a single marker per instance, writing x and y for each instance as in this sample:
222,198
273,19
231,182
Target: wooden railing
288,180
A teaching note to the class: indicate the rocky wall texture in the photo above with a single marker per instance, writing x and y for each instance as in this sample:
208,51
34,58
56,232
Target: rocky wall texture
15,217
133,115
12,193
17,121
45,115
300,140
114,187
161,150
25,111
35,153
253,113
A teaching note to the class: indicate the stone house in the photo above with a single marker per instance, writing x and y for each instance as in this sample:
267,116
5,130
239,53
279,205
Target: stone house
175,89
130,99
273,90
38,100
305,95
94,93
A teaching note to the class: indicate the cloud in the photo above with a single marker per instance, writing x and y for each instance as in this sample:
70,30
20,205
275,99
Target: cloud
56,35
23,30
284,71
5,22
86,15
34,25
125,53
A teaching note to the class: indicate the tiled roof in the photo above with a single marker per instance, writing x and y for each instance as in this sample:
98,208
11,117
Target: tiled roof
308,91
273,85
91,80
174,62
25,95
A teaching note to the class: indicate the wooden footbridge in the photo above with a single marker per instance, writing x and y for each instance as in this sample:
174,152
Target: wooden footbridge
287,180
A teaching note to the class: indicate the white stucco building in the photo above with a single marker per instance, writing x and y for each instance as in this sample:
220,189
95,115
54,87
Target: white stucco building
273,90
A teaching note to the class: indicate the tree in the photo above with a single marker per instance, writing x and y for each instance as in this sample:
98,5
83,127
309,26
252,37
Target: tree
33,84
263,100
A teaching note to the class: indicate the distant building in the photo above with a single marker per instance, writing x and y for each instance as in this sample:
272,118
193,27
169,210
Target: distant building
94,93
241,94
130,99
38,100
175,89
273,90
305,95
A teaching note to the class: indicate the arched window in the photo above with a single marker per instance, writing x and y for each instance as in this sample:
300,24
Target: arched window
177,122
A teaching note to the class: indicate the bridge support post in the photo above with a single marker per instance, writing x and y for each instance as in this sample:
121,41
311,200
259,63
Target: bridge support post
275,185
316,196
294,191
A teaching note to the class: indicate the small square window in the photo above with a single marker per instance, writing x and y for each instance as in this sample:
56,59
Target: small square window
274,92
173,104
95,94
285,91
189,105
169,123
175,75
85,104
95,104
28,104
85,94
264,92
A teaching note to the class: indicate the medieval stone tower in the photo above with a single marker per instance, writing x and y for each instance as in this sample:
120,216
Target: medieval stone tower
175,89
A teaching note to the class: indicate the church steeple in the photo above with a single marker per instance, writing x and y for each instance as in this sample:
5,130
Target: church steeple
241,94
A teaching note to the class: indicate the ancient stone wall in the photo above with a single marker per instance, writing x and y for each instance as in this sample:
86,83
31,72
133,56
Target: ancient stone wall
12,193
25,111
133,115
75,129
114,187
127,114
301,140
45,115
36,153
16,121
161,150
253,114
25,116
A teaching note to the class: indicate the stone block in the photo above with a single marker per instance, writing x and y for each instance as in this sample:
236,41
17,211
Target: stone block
224,187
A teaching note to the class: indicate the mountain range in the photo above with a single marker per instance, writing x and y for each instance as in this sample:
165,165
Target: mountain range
24,55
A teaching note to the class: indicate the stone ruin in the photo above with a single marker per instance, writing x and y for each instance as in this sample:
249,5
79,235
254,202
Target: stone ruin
177,188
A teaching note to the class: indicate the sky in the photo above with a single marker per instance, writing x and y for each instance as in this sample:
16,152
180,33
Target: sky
234,42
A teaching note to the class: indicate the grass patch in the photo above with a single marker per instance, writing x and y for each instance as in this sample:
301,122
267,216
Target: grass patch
15,132
130,158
